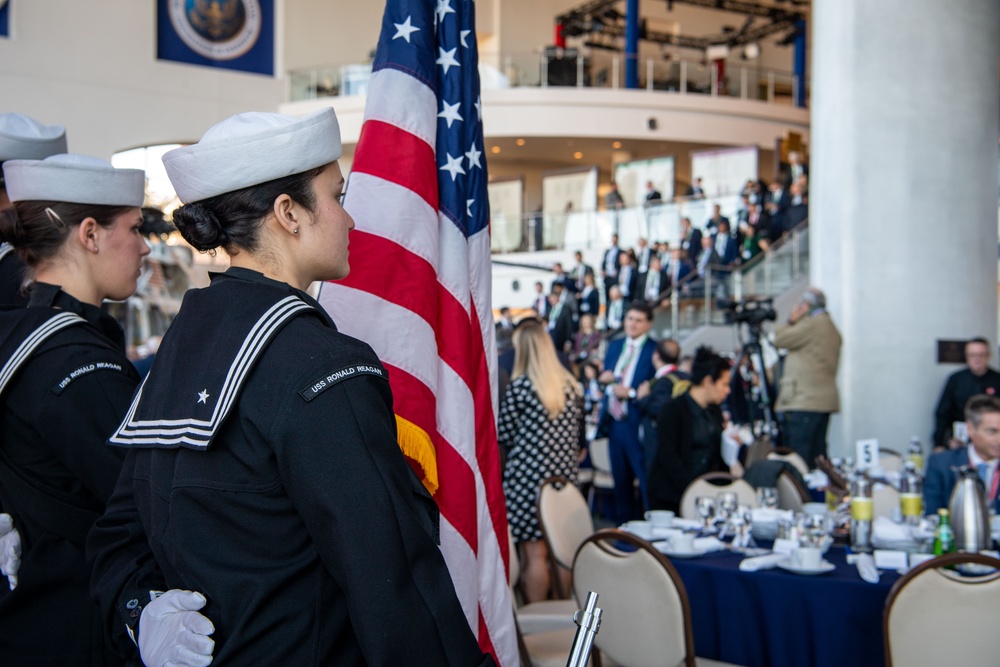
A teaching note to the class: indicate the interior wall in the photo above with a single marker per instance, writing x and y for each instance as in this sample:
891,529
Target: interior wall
104,82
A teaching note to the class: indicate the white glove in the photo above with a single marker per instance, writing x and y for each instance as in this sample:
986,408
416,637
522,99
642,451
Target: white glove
173,634
10,550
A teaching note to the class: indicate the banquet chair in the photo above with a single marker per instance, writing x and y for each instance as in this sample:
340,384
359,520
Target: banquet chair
936,616
545,629
647,615
885,499
890,460
602,482
791,456
703,486
541,616
791,494
565,520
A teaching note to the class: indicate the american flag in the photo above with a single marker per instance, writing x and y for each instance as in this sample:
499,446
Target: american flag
419,291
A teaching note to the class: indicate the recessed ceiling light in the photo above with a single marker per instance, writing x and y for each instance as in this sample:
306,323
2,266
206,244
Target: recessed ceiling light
520,142
616,144
495,150
578,155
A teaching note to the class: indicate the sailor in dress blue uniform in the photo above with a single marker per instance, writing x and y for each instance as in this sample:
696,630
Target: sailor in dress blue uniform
263,472
65,384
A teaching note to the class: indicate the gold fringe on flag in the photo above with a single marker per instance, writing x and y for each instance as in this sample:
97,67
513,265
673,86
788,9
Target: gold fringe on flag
417,446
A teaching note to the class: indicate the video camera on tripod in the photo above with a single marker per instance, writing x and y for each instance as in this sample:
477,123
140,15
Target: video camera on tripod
753,312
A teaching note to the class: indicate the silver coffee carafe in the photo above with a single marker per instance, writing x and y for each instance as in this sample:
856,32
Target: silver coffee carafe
969,516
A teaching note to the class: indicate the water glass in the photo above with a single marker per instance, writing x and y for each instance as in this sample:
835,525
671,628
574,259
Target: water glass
705,506
767,496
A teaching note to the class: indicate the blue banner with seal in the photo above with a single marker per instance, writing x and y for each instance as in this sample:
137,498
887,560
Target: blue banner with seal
229,34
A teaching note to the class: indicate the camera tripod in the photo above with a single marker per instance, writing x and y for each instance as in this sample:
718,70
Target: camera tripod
759,399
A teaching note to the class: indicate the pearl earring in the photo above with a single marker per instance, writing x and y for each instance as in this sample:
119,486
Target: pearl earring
295,231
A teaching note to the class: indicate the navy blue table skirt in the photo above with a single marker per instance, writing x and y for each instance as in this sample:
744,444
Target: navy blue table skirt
775,618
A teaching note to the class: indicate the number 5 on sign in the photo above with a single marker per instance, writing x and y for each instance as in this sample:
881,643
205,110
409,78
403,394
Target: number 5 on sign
867,454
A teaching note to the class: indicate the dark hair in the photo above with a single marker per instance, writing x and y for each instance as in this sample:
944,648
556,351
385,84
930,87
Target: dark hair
980,340
668,350
979,405
232,220
707,364
642,307
38,229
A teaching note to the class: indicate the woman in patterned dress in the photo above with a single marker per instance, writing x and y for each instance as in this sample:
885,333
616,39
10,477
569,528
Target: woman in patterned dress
540,425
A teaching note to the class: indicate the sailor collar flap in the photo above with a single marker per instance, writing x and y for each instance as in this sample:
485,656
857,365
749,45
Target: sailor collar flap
201,367
34,327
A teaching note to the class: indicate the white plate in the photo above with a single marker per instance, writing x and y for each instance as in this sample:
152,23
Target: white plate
824,567
682,554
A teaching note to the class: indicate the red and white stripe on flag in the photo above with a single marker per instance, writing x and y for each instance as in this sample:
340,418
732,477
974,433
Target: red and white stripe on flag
419,293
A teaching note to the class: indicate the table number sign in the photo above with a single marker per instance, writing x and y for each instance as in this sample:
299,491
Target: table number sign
867,454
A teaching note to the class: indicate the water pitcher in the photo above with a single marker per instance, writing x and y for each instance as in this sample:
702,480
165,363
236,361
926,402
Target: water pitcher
969,515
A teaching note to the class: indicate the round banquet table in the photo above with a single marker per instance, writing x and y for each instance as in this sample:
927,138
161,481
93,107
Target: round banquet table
775,618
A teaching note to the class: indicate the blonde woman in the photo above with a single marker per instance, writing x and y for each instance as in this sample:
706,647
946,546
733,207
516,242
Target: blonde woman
540,425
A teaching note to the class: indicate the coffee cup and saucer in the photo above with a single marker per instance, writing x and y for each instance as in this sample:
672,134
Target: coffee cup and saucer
807,560
680,545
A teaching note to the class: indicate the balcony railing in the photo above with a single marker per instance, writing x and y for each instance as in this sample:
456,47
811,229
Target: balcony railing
581,69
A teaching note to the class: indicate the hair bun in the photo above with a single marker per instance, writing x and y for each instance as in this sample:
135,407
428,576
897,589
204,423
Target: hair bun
11,230
200,227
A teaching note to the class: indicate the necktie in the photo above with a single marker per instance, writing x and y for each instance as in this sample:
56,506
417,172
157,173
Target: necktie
617,408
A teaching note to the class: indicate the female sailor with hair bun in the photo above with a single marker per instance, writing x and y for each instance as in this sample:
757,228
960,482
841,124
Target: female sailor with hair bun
264,489
65,384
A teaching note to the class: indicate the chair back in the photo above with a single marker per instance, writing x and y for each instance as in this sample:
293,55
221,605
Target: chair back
647,616
935,616
564,517
791,494
600,455
703,486
889,460
885,499
792,457
758,450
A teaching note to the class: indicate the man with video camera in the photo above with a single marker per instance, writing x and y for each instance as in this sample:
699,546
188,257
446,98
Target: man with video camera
808,388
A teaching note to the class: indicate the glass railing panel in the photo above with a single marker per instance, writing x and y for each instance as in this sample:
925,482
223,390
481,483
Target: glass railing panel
592,68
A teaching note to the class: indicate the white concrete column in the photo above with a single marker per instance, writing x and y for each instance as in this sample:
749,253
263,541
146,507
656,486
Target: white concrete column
903,199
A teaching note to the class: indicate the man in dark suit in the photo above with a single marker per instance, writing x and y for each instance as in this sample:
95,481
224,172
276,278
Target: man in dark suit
982,415
610,266
798,207
725,244
690,240
679,267
652,283
541,302
560,322
695,190
653,196
580,271
628,363
976,378
717,218
628,277
642,254
590,299
657,392
562,278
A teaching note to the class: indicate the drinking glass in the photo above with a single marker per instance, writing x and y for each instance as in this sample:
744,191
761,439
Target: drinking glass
742,520
817,528
767,496
705,505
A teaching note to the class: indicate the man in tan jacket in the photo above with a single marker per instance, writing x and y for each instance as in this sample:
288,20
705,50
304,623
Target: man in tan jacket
808,389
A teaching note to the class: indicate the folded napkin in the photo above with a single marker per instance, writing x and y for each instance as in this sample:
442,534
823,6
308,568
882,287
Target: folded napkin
887,530
762,562
770,515
687,524
816,479
866,568
709,544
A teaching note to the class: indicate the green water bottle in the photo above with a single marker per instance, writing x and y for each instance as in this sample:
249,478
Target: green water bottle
944,536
